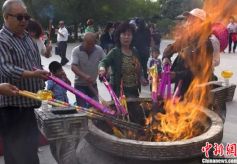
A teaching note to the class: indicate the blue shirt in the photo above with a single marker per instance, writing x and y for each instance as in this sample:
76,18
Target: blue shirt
59,93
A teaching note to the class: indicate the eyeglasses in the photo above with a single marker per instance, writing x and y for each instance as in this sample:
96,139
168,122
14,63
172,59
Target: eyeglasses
20,17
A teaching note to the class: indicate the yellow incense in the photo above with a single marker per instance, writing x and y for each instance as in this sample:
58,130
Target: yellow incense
29,95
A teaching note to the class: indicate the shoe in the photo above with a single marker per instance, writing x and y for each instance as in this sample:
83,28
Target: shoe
64,62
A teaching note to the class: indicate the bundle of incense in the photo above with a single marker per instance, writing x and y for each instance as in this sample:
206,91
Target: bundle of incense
36,97
119,107
59,102
165,81
123,100
176,97
154,74
80,94
91,113
168,81
29,95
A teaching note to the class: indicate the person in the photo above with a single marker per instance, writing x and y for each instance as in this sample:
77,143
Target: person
107,39
155,37
153,59
36,32
184,68
64,149
59,92
19,54
124,62
232,31
142,40
90,26
7,89
62,38
85,61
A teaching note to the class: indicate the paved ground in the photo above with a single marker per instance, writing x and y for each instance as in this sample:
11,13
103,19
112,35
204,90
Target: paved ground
228,62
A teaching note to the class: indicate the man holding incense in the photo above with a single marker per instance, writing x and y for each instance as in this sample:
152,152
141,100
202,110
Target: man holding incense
85,61
199,43
18,56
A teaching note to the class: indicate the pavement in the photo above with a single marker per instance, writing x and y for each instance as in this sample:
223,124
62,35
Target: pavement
228,62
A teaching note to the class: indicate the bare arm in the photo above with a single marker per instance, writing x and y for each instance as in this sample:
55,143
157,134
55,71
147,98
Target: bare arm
81,74
8,89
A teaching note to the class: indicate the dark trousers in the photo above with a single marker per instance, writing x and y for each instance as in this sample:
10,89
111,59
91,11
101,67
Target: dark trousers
20,134
230,43
62,48
87,91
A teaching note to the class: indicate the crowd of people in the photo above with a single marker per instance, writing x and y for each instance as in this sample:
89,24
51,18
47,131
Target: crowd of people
124,52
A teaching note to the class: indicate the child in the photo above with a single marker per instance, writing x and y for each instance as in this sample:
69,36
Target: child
64,149
59,93
153,59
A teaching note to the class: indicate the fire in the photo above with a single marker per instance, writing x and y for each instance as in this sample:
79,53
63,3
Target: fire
183,120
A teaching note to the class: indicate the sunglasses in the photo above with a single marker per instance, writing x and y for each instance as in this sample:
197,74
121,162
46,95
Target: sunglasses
20,17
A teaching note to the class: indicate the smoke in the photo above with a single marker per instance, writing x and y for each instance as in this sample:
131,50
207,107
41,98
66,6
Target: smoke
48,12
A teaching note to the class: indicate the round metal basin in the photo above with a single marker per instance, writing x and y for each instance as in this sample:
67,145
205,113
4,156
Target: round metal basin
157,150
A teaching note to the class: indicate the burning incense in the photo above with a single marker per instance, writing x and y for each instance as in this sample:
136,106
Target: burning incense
154,89
29,95
165,81
91,113
168,81
78,93
119,107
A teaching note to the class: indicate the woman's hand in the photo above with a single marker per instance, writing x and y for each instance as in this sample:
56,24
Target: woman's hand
102,72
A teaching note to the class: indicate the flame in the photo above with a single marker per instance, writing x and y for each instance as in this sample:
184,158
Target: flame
184,120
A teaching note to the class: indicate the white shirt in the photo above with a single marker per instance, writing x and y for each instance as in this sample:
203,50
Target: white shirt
232,27
65,34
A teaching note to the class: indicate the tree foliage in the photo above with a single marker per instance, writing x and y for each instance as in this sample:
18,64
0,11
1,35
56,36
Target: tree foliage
76,12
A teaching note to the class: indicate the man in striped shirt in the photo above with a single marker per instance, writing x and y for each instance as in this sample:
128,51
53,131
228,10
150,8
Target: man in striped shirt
18,56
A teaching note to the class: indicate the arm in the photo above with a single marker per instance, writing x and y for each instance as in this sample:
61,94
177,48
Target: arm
106,62
75,67
148,65
63,32
44,50
8,89
64,77
81,74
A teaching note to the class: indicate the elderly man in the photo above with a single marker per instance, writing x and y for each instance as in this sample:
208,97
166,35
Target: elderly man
18,56
62,37
185,65
85,61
